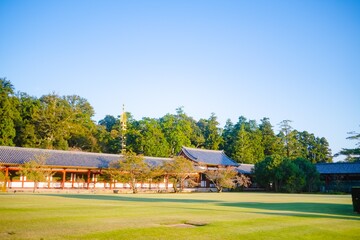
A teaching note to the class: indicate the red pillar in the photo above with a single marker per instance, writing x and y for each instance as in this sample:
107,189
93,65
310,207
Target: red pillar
72,180
88,179
6,178
167,182
22,181
63,179
49,177
94,175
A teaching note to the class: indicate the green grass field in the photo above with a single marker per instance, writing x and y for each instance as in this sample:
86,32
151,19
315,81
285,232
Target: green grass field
178,216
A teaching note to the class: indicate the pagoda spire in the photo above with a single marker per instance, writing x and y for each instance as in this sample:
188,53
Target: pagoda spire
123,123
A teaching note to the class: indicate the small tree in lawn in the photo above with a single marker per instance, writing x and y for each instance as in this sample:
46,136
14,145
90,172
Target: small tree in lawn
113,173
155,175
179,170
133,170
226,177
242,181
35,170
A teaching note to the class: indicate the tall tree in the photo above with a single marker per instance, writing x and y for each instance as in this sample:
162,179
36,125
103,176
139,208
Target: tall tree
352,154
177,130
289,139
26,133
82,128
228,138
270,142
313,148
52,122
108,122
212,133
8,113
153,142
242,147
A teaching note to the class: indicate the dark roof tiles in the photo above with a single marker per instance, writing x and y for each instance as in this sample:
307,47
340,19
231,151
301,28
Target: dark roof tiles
17,155
245,168
338,168
210,157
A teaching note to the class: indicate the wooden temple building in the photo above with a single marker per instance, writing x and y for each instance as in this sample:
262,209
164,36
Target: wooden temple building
339,177
83,170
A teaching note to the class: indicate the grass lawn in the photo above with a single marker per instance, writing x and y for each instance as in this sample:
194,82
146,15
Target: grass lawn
177,216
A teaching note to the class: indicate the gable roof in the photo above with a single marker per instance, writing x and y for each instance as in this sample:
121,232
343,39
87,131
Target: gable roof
59,158
209,157
338,168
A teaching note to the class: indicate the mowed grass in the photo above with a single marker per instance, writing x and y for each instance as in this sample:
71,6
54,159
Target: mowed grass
178,216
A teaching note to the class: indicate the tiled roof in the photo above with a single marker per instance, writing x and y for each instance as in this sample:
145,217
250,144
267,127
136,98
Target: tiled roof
17,155
210,157
245,168
338,168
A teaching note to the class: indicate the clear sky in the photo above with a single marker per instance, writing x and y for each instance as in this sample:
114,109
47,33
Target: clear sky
296,60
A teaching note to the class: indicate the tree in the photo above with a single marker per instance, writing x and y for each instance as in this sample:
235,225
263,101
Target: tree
242,147
226,177
228,139
289,176
286,175
180,170
211,132
52,122
82,129
8,113
177,130
312,148
153,142
26,133
242,181
133,169
352,154
35,170
265,172
311,175
287,136
109,122
112,173
270,142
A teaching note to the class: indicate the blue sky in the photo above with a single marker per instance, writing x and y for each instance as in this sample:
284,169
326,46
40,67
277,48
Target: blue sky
296,60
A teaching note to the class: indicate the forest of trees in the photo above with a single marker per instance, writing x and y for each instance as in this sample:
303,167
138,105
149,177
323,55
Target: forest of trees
65,122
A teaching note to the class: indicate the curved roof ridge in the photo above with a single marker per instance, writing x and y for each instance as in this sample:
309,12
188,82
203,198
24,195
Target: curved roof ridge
187,153
59,151
162,158
203,149
210,157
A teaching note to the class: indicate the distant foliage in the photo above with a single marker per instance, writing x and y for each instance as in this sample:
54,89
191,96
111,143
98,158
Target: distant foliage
65,122
287,175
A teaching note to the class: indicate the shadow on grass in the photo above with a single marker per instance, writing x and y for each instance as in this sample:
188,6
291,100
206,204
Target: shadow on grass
131,199
319,210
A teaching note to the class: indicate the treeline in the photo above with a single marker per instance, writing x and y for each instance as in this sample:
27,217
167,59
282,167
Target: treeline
65,122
